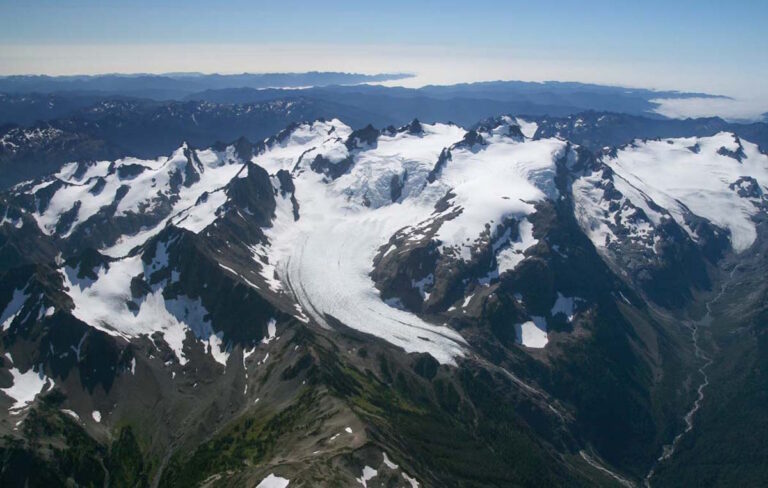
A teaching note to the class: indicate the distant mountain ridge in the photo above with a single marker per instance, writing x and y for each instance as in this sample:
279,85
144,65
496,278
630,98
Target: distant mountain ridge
534,98
177,85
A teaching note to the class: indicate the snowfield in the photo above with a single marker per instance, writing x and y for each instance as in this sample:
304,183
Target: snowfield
511,253
502,179
565,305
101,184
701,175
326,137
102,303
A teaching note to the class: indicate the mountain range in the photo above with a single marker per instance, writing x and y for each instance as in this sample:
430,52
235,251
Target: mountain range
169,86
573,300
43,130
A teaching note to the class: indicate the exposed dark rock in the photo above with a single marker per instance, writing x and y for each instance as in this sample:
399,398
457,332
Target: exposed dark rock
68,218
445,157
414,128
193,167
244,149
426,366
322,165
254,194
396,185
87,263
366,136
130,171
738,154
471,139
98,187
287,187
747,187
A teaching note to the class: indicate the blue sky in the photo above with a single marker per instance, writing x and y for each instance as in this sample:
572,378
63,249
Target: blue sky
692,45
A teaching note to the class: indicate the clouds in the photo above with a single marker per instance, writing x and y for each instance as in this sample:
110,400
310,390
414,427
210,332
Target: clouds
727,108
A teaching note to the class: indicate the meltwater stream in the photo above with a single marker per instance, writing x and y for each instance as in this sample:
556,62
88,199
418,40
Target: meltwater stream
669,450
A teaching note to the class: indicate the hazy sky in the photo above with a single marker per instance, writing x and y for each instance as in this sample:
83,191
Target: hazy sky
713,46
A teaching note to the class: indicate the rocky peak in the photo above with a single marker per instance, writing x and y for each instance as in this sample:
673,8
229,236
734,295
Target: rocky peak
253,193
365,137
414,128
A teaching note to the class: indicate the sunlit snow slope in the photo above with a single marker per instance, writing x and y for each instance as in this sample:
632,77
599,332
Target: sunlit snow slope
719,178
326,255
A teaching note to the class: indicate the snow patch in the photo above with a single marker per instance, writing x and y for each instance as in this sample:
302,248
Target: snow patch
565,305
271,331
512,253
368,474
411,481
26,386
527,128
273,481
387,462
13,308
71,413
268,270
423,284
532,333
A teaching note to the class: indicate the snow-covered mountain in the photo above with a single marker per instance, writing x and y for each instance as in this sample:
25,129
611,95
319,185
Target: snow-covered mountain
379,285
719,179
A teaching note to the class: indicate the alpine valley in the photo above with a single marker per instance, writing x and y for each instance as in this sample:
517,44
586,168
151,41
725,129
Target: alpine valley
521,301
